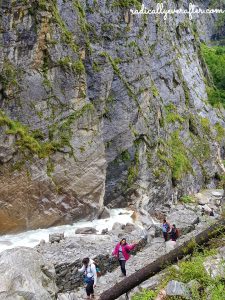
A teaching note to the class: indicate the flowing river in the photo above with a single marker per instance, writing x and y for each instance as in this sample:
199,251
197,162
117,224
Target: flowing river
32,237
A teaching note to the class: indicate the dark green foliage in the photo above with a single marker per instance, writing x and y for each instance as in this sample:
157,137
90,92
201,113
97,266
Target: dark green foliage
125,156
145,295
215,59
216,96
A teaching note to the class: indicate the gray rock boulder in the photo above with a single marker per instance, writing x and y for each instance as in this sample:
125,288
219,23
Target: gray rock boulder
56,237
214,266
25,275
202,199
176,288
117,226
67,296
129,227
185,219
104,213
222,252
86,230
105,231
145,219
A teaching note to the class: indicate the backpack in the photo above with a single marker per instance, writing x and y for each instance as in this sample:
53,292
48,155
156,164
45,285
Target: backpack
98,270
178,232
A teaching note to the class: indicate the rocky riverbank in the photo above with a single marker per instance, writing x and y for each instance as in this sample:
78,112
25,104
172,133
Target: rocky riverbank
60,260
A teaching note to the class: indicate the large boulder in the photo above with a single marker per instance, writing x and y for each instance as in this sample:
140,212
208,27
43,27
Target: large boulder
117,226
210,197
145,219
176,288
185,219
67,296
24,275
56,237
202,199
214,266
86,230
104,213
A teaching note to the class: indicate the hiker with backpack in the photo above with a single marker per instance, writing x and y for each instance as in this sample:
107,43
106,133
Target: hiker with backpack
174,233
90,276
122,251
165,229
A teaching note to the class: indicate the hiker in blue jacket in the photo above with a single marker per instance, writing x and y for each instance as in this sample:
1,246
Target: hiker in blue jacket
165,229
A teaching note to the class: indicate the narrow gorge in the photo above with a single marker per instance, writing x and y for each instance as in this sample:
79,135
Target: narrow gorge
103,109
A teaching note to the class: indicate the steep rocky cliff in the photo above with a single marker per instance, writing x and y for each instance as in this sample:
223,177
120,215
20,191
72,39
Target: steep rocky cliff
99,106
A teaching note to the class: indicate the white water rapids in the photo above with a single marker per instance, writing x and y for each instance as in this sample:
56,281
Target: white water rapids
32,237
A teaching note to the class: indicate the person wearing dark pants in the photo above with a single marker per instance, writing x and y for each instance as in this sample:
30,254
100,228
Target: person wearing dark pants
122,266
90,288
165,229
121,251
90,276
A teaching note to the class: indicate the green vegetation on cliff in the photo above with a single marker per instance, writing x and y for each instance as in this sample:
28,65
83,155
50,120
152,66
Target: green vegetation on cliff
174,154
215,59
32,141
127,3
26,139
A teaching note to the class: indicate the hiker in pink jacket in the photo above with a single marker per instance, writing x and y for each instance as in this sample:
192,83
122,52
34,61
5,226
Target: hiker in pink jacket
121,251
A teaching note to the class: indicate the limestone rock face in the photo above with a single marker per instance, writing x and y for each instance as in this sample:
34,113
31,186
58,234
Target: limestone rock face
24,275
98,106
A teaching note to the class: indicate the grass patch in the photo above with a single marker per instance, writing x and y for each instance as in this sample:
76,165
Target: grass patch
171,114
220,132
145,295
68,64
187,199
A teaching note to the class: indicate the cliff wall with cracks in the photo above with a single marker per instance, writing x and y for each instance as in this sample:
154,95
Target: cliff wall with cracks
100,106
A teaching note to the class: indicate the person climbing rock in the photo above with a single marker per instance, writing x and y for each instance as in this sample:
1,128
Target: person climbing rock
90,276
174,233
165,229
122,251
